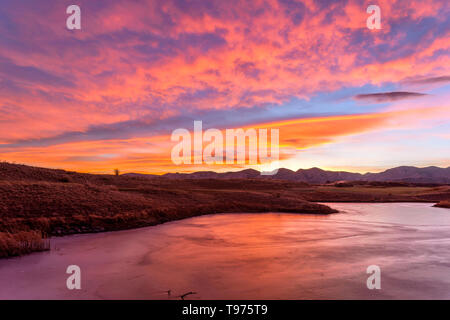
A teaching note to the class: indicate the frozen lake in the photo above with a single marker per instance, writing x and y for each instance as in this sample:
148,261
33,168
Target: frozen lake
251,256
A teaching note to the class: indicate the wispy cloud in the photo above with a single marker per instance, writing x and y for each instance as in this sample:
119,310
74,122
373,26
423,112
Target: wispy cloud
429,80
139,69
388,96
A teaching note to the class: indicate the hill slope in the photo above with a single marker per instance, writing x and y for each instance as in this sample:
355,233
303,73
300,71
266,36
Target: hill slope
36,202
315,175
39,201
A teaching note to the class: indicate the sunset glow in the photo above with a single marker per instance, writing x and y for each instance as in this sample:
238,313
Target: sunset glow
109,95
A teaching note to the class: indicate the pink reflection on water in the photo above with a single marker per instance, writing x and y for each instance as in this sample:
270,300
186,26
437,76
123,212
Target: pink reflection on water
251,256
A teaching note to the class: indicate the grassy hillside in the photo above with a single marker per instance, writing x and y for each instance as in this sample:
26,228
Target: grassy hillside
36,203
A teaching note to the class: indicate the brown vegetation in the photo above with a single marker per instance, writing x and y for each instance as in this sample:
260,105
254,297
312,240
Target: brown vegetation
56,202
22,242
443,204
36,201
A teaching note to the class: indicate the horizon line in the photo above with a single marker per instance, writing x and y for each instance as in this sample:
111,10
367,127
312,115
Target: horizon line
217,172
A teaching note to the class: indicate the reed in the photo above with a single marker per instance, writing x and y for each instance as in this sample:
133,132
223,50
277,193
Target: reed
23,242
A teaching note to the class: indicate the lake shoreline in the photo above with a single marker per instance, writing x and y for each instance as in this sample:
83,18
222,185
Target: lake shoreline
42,244
443,204
270,255
52,202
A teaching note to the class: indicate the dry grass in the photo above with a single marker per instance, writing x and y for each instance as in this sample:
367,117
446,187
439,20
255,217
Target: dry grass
22,242
443,204
368,193
36,201
53,202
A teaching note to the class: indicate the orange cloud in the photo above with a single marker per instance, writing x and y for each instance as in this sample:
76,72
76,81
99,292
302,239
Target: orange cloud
158,59
152,154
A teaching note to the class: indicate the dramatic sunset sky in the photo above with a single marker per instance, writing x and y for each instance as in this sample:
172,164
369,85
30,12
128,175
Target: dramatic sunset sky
109,95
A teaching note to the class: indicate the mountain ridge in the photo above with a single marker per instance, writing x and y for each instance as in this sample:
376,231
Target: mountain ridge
408,174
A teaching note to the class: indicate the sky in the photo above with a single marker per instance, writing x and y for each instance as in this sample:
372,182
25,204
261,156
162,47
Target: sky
344,97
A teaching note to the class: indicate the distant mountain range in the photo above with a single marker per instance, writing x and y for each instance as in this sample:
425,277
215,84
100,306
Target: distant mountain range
316,175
